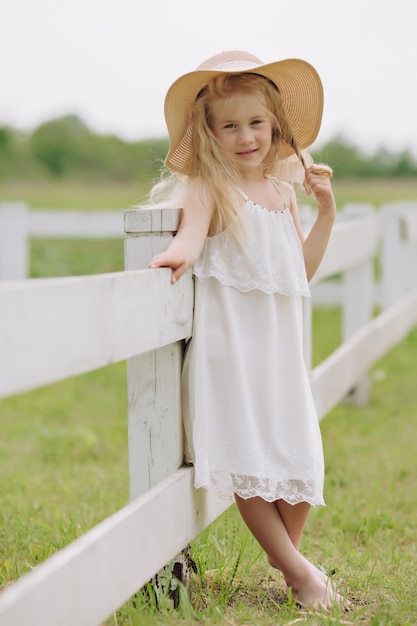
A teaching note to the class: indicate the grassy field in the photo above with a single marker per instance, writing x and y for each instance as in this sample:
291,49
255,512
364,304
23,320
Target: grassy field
74,194
63,459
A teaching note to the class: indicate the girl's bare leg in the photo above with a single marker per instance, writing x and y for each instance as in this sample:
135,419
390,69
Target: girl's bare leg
295,517
266,524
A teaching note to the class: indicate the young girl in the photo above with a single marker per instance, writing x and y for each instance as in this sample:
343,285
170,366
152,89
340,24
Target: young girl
252,431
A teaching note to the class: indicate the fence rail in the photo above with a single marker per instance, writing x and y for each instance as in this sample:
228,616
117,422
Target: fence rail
82,323
19,224
79,324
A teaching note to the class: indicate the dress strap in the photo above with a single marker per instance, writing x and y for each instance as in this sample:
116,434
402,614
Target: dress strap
275,184
242,193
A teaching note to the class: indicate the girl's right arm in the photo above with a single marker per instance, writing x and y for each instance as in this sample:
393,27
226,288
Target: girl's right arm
186,246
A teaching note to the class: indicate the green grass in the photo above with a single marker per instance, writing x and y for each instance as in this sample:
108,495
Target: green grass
374,191
64,257
367,531
78,195
63,460
73,194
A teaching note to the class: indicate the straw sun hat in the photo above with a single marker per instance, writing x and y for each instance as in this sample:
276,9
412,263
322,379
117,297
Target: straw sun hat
297,81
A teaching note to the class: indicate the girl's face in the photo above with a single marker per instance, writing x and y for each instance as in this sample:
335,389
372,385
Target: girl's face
243,129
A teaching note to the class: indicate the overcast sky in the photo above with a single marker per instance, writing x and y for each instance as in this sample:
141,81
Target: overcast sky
112,61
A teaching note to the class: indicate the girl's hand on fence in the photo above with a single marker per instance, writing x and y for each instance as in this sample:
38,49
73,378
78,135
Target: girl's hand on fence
174,257
317,182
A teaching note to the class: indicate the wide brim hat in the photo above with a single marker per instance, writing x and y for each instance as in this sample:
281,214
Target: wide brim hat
297,81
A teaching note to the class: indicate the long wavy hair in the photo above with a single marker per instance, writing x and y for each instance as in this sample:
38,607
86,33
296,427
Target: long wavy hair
210,166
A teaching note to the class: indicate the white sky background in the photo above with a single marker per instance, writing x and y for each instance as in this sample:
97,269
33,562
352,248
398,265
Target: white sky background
112,61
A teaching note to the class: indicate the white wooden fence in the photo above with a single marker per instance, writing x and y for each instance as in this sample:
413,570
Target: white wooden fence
145,320
19,224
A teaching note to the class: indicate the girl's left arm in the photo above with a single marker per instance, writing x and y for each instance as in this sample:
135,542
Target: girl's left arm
314,246
186,246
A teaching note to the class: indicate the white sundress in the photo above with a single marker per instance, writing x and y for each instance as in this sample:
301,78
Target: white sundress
250,422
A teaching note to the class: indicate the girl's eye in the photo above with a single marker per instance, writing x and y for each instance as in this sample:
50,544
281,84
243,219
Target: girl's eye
229,126
255,122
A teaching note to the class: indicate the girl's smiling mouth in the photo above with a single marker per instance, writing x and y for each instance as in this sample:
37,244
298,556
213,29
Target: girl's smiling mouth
247,152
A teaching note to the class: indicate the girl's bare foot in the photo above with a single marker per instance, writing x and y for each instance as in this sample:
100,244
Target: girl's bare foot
317,591
316,594
331,596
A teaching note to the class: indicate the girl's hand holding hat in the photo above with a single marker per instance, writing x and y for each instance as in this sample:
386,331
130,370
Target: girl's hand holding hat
324,170
317,182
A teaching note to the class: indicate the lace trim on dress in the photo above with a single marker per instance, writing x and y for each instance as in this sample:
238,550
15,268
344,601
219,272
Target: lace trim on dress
292,491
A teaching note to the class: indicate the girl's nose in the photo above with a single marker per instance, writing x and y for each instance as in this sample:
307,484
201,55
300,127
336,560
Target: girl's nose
245,135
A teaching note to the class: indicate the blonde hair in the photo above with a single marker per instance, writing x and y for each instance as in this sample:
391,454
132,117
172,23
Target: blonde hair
209,164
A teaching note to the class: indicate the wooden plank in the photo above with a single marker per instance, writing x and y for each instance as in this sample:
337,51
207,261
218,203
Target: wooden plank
73,223
140,250
151,221
398,230
406,213
408,227
351,243
51,329
333,379
154,378
155,430
89,579
358,305
149,232
14,256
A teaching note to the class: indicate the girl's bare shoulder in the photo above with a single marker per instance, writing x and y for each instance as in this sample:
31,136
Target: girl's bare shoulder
197,205
287,187
287,191
198,193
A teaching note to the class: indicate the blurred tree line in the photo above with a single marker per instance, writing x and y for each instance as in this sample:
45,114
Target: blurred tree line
67,148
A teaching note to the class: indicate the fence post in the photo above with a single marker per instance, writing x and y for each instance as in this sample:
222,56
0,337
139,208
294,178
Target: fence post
358,301
155,432
153,379
398,231
14,256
